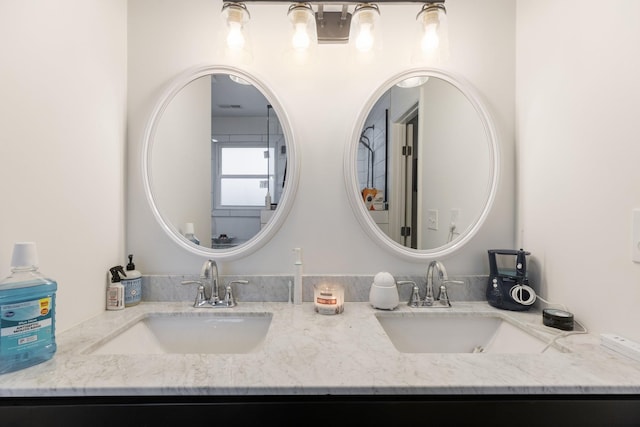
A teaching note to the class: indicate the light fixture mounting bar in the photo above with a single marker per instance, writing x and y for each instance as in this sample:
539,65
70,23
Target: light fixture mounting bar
333,27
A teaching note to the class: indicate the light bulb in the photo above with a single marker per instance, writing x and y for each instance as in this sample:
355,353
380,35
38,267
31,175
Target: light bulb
235,38
364,41
236,16
301,39
364,19
303,20
433,42
430,40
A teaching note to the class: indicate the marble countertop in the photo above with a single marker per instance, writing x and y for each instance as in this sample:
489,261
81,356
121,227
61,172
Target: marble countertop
306,353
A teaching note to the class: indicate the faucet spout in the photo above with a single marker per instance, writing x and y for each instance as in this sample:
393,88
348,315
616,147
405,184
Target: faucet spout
434,266
209,277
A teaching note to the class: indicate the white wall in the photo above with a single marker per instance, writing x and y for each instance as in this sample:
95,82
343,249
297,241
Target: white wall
323,98
578,127
62,133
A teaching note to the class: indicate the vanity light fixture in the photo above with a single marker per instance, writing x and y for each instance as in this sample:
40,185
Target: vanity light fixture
364,22
338,26
434,36
236,16
304,29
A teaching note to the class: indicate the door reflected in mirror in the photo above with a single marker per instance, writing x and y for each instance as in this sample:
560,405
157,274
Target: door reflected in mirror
424,163
219,161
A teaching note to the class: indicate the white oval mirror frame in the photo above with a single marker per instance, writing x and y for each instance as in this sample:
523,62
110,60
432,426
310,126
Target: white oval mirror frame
293,164
351,174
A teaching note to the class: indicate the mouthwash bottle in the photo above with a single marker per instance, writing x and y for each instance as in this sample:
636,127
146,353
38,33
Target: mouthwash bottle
27,312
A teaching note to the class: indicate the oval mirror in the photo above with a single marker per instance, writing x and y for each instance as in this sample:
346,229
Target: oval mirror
219,164
422,164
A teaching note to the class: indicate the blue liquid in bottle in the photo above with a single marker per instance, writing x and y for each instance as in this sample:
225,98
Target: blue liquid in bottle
27,313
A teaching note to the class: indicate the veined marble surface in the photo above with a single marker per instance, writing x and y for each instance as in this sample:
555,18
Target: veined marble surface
309,353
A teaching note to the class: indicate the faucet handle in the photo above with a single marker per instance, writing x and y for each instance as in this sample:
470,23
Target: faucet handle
200,299
229,301
443,296
414,299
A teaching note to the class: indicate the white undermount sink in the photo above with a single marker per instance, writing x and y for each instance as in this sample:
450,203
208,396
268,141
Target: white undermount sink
458,333
203,333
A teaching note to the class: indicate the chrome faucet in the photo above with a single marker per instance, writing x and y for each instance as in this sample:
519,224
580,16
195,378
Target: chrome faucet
208,288
435,270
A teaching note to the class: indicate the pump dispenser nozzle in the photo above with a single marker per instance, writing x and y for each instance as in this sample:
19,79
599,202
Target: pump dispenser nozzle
131,265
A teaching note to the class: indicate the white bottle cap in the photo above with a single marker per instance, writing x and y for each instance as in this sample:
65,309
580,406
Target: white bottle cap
188,228
24,255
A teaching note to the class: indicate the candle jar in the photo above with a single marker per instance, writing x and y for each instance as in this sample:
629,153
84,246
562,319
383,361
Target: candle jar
328,298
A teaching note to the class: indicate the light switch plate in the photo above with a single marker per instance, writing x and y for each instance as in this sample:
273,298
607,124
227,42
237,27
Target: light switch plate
432,219
635,236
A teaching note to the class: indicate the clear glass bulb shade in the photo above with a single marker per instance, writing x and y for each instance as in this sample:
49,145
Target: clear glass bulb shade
433,40
236,18
364,27
304,26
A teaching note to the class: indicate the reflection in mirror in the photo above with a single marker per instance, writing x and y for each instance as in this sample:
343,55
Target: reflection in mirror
225,136
426,164
216,162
